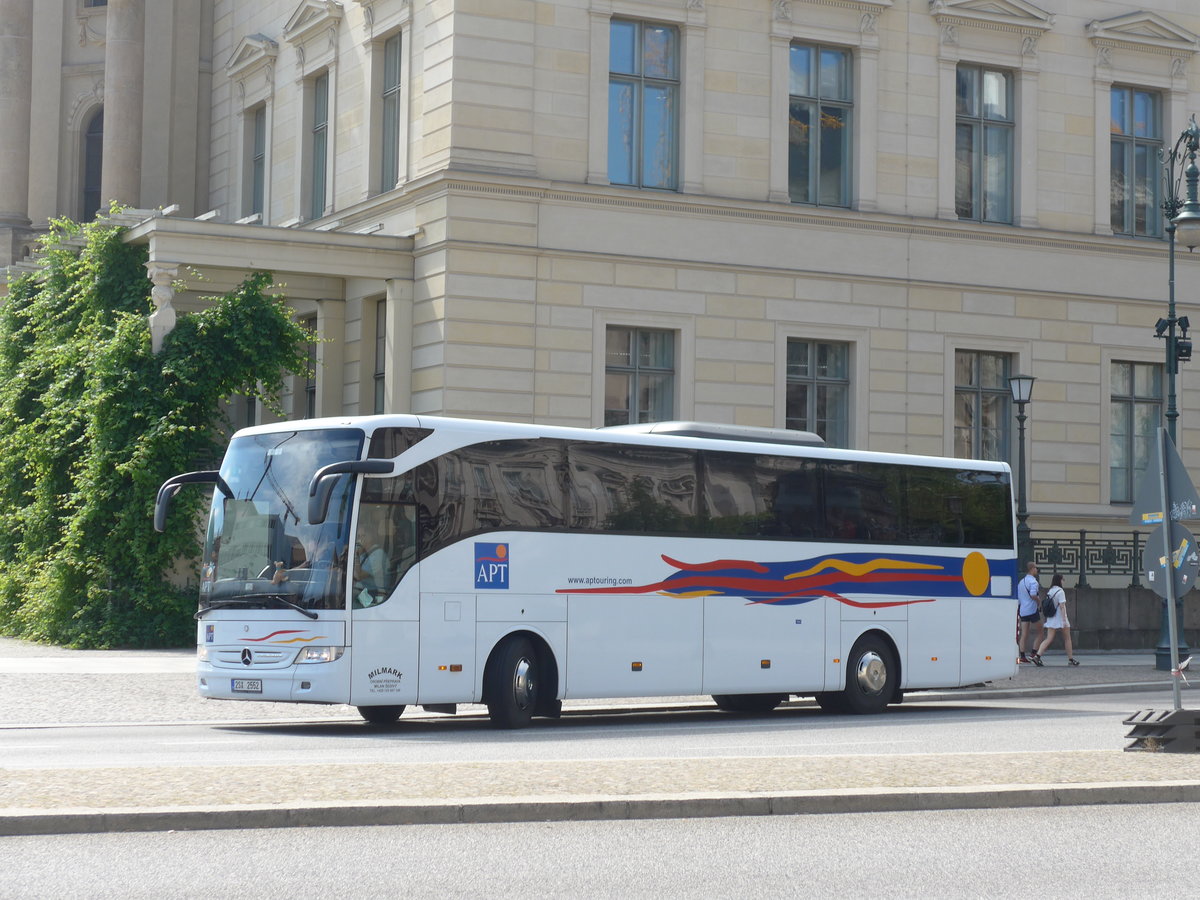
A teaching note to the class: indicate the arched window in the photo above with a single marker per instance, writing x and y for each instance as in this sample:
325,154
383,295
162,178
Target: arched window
93,150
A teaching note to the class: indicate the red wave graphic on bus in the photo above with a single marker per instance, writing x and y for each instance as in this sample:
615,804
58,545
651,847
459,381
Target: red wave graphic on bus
915,578
295,640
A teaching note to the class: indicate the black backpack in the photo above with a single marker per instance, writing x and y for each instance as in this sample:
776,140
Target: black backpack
1049,608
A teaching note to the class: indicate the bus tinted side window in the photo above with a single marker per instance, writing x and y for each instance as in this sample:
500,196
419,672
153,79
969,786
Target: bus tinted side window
624,487
862,502
387,531
958,507
388,443
768,496
485,487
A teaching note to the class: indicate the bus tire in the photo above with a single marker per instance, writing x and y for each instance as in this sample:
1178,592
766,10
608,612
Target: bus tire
380,715
748,703
511,684
871,674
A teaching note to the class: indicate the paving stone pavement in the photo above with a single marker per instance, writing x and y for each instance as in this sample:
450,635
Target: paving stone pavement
45,686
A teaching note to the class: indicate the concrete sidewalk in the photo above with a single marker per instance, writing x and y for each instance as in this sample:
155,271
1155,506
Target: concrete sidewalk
44,687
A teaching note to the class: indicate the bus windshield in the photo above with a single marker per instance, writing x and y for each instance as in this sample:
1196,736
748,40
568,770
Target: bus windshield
260,552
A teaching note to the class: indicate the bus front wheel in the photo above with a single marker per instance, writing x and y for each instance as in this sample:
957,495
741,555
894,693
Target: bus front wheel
511,684
871,675
380,715
748,703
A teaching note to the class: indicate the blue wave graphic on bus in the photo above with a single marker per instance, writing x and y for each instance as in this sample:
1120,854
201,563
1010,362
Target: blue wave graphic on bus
912,579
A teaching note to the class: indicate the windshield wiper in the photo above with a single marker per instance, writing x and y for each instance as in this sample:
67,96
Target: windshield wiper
245,601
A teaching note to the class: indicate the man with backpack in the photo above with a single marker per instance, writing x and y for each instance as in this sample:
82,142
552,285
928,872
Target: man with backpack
1028,612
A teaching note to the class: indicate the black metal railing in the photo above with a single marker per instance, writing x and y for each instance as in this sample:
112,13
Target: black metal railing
1087,553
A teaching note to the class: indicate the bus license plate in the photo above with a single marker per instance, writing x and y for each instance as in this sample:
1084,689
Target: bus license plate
246,685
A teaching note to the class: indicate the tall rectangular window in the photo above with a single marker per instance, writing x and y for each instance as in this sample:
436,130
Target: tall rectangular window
1137,406
819,107
643,105
639,375
93,164
818,389
380,353
319,145
258,160
391,113
1136,129
982,405
983,184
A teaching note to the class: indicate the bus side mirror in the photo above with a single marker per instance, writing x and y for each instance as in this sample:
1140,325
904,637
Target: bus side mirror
322,483
170,487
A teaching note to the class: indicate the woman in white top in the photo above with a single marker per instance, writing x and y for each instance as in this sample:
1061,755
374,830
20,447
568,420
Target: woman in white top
1057,622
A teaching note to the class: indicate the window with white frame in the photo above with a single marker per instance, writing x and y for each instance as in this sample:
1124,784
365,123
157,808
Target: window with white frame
390,156
318,145
639,375
258,159
380,354
982,405
818,389
1136,395
1136,147
984,128
820,101
643,104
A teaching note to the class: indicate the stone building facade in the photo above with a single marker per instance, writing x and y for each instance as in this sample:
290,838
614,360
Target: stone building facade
852,216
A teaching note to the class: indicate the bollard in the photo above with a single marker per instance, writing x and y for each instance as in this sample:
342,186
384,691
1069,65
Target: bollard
1165,731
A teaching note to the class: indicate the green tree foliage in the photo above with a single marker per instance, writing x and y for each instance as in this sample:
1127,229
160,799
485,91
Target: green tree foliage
92,422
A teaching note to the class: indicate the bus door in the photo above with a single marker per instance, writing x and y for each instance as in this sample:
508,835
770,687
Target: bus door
384,605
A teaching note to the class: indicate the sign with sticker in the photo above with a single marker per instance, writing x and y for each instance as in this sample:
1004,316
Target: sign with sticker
491,566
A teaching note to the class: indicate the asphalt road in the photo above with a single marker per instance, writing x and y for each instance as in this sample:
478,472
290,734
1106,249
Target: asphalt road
1028,725
1097,853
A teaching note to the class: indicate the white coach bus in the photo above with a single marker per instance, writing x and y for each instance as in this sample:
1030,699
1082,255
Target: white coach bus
391,561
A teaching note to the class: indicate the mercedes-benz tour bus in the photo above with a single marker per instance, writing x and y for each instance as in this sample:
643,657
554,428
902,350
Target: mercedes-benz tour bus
400,560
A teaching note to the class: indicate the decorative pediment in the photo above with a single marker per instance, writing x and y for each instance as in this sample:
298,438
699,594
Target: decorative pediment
252,51
397,13
312,17
1144,31
1004,15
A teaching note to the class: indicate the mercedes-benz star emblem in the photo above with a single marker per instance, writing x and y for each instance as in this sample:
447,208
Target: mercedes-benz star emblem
247,657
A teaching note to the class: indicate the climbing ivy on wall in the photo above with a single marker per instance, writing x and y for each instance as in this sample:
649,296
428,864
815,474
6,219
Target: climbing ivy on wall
92,422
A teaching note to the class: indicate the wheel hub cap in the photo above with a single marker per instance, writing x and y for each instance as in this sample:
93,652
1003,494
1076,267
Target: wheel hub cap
523,684
872,673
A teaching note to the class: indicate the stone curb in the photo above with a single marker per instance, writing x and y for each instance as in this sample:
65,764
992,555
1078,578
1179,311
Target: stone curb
594,809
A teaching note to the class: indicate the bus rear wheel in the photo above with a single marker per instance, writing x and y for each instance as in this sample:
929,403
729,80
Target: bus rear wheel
380,715
748,703
871,674
511,684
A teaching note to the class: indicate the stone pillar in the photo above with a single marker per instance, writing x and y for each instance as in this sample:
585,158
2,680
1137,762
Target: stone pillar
16,81
124,66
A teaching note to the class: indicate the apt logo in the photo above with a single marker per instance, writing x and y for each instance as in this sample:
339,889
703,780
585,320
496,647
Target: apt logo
491,566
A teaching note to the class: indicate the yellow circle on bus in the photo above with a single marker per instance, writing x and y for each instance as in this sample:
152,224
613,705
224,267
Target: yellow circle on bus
976,574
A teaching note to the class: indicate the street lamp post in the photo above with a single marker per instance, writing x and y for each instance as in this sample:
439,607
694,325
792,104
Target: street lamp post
1021,387
1183,224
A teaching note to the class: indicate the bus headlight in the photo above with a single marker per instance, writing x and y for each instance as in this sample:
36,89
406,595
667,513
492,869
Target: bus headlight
202,653
320,654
